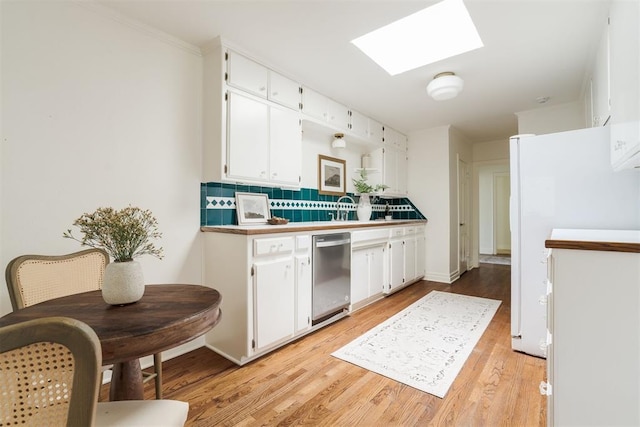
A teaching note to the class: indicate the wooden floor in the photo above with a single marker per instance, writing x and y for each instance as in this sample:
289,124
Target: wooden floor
302,384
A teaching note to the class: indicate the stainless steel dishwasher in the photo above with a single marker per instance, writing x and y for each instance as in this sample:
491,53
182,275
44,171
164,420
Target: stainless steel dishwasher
331,275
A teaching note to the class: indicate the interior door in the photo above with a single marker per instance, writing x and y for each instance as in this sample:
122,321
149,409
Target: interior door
463,216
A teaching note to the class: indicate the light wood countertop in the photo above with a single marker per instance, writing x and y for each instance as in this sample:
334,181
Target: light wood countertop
308,226
595,240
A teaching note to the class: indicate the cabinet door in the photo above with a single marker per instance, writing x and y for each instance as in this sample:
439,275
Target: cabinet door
285,149
409,258
303,293
246,74
247,138
421,255
273,301
376,270
314,104
359,124
284,91
376,132
396,264
337,114
401,172
389,172
359,275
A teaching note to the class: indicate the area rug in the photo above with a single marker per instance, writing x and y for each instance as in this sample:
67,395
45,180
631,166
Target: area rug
426,344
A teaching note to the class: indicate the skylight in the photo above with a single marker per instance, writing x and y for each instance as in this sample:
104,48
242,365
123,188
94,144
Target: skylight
430,35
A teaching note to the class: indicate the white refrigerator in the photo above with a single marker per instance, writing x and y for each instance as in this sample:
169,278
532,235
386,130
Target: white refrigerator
560,180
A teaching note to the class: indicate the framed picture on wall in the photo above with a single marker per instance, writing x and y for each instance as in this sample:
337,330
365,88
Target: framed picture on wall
252,208
331,176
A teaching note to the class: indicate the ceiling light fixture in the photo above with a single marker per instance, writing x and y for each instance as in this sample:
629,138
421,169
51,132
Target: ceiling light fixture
445,86
339,141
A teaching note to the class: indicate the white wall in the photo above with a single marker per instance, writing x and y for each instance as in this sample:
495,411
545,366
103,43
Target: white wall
96,112
428,187
315,141
551,119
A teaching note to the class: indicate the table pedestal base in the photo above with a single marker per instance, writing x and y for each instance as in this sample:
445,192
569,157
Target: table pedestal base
126,381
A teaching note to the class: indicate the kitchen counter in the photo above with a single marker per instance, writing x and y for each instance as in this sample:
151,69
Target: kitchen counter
307,226
595,240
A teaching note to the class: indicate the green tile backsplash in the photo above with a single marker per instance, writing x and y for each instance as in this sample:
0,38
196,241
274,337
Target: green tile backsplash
218,207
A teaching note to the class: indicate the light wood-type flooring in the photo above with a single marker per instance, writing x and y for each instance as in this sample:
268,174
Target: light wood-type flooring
302,384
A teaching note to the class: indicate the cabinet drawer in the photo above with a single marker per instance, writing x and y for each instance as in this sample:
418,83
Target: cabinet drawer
303,243
275,245
397,232
362,237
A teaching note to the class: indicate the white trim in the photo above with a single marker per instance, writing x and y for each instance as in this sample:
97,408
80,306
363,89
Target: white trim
139,26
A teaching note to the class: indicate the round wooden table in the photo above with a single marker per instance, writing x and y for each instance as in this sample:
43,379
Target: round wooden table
165,317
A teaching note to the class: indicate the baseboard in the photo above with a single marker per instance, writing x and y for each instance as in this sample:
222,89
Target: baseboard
503,252
442,278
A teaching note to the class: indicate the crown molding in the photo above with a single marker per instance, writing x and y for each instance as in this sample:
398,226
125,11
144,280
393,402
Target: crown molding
138,26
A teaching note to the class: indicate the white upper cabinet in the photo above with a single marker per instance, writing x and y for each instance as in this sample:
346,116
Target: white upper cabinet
247,75
392,161
284,91
393,138
340,118
263,142
359,124
247,138
324,109
285,146
314,104
376,132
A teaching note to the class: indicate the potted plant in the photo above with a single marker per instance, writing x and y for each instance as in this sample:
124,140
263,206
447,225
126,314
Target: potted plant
365,190
124,234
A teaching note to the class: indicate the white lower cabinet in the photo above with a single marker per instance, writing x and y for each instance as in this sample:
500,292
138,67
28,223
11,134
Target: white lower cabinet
407,247
367,274
273,302
593,353
266,282
303,284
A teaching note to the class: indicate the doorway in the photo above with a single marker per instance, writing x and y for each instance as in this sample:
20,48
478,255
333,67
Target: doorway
494,234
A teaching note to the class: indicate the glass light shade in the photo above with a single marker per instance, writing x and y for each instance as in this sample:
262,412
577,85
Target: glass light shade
338,141
445,86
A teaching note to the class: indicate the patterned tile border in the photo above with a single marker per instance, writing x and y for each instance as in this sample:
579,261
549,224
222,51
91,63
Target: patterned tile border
218,204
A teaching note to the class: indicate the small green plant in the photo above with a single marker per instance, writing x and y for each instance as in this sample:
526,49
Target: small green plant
362,186
125,234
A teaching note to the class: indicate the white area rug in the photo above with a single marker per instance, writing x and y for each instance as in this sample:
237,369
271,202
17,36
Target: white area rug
426,344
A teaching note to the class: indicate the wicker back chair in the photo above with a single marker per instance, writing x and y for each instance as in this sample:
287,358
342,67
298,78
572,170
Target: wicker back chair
35,278
49,375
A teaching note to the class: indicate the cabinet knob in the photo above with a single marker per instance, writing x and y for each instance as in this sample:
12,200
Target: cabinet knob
274,93
262,89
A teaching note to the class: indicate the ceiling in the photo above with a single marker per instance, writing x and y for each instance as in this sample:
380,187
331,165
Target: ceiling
532,49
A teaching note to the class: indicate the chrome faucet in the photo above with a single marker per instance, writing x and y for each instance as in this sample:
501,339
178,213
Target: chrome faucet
343,214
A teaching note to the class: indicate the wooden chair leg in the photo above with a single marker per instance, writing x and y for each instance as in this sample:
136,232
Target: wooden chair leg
157,365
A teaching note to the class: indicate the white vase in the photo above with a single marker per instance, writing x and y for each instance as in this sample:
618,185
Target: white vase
364,207
123,283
